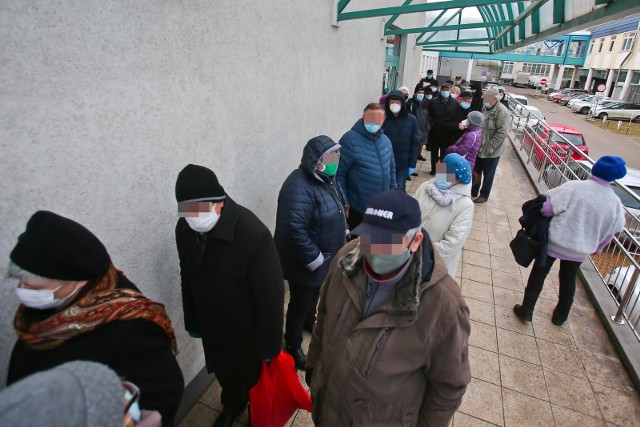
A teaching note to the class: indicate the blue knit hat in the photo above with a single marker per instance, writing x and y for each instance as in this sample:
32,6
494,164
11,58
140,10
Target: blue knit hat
458,165
609,168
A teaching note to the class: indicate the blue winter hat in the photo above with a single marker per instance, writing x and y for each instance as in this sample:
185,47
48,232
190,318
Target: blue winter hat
609,168
458,165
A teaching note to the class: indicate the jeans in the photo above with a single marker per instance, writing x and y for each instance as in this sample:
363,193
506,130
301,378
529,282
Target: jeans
568,272
401,179
486,169
301,312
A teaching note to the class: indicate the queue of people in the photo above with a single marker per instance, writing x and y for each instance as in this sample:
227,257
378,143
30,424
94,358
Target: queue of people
369,269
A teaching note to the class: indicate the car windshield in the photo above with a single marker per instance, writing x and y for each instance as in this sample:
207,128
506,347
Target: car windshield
572,138
535,112
625,197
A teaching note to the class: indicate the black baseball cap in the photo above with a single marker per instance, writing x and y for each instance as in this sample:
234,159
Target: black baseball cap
388,213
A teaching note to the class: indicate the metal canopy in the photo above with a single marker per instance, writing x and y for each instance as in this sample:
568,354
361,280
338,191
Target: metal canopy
489,26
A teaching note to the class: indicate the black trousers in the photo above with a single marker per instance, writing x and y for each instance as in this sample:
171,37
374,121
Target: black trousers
437,149
568,272
486,170
301,312
236,386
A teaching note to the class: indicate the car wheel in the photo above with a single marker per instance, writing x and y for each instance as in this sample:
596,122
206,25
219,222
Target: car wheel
584,110
603,116
636,119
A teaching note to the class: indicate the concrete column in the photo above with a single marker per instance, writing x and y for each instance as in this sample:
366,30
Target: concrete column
469,69
607,91
626,85
559,79
574,76
587,84
552,71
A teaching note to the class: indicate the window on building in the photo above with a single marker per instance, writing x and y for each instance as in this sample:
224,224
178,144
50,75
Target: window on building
613,41
601,44
536,69
507,67
627,42
591,46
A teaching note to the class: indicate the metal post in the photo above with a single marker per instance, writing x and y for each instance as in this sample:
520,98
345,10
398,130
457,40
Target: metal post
619,317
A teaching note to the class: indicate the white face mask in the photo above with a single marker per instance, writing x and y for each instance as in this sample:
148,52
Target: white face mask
42,299
203,223
395,108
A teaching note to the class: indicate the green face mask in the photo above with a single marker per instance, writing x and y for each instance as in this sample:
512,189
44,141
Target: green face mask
385,264
330,169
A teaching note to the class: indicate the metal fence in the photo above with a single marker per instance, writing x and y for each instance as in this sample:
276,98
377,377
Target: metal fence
556,160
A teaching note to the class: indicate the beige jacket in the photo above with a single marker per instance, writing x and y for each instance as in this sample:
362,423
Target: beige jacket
405,365
495,129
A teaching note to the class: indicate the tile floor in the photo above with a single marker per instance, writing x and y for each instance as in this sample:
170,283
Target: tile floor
522,375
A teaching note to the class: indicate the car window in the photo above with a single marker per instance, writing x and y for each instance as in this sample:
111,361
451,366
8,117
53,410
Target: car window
536,113
572,138
625,197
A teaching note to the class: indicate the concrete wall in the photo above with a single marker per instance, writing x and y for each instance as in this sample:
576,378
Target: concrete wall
102,103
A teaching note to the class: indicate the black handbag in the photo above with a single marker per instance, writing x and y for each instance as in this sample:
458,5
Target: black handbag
524,248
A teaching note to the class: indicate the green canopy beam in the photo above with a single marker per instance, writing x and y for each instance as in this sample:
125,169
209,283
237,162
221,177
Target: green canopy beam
445,23
342,5
448,27
442,12
533,7
394,17
414,8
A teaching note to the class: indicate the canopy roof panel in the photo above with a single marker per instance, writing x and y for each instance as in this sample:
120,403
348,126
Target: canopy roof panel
489,26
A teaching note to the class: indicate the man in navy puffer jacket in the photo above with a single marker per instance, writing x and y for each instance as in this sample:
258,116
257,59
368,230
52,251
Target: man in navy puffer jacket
310,228
367,166
403,131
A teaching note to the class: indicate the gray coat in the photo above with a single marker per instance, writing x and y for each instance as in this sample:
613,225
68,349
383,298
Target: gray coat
495,130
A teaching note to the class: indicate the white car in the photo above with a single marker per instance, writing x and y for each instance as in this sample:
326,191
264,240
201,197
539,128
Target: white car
618,281
583,106
520,98
526,116
619,111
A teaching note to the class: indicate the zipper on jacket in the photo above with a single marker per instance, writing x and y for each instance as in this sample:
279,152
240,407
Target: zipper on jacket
376,351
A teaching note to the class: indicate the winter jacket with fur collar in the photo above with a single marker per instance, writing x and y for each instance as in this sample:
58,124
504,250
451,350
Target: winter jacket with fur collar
407,364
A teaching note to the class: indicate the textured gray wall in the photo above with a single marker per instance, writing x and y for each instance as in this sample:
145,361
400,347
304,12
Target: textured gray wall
103,102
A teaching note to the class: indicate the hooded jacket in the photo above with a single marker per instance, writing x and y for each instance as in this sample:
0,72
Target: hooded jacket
367,166
407,364
403,132
310,223
419,109
448,226
468,145
232,289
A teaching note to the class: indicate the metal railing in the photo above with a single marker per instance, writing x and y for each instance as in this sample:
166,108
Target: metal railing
556,160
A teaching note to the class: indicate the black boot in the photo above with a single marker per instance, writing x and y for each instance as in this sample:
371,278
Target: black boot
525,310
229,416
299,358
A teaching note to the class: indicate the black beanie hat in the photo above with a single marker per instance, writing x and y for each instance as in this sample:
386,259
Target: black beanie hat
56,247
197,183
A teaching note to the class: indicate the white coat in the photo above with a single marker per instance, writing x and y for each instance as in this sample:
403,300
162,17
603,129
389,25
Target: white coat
448,226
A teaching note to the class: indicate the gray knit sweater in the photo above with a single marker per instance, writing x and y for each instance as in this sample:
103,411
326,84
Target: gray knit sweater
585,213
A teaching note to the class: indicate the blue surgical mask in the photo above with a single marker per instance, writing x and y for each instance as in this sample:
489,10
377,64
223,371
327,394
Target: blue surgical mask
372,127
443,185
434,89
429,96
420,96
429,76
465,105
444,94
486,104
385,264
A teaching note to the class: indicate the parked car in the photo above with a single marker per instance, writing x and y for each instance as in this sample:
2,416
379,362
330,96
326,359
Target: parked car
520,98
619,111
583,106
521,80
552,95
618,281
534,81
526,116
564,99
557,136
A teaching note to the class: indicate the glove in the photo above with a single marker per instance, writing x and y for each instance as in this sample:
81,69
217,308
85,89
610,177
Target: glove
307,376
194,334
412,170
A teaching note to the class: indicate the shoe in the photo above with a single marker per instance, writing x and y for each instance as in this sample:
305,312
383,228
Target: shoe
432,173
227,418
414,174
308,328
299,358
421,158
521,313
557,320
479,200
408,178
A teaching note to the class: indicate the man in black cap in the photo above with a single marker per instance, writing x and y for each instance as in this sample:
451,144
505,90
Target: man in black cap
77,306
391,339
438,109
232,285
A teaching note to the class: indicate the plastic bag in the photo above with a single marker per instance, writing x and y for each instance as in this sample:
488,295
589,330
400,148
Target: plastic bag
278,393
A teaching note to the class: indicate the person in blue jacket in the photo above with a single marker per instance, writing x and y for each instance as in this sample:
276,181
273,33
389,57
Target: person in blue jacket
403,131
310,228
367,166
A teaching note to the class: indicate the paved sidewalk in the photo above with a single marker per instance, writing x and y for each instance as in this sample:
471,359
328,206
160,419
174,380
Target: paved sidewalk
522,375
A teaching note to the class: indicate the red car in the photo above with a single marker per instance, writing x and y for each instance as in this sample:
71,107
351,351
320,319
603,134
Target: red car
557,146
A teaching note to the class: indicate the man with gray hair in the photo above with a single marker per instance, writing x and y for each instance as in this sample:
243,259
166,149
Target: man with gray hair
494,132
390,344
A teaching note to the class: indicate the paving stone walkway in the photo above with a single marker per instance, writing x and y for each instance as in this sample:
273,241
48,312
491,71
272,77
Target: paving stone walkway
522,375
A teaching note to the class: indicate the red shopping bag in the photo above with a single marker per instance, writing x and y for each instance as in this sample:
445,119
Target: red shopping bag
278,393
